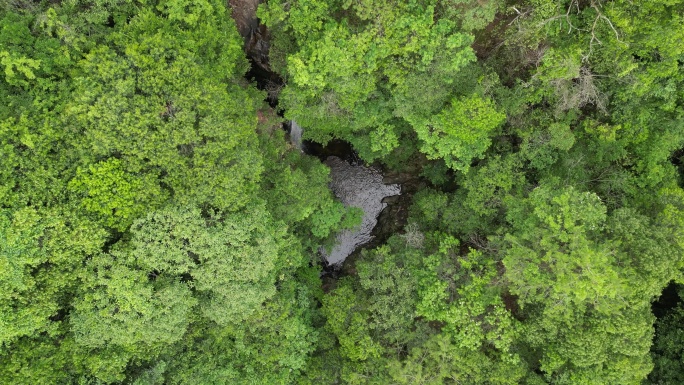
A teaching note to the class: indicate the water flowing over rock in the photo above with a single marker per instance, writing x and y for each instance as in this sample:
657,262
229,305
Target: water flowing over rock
295,134
357,186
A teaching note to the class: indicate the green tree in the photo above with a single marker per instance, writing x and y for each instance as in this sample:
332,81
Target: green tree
584,281
667,346
352,68
117,196
460,133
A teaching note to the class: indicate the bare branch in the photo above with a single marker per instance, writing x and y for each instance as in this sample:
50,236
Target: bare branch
596,5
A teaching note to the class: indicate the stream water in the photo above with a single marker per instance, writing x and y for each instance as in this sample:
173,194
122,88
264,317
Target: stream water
296,135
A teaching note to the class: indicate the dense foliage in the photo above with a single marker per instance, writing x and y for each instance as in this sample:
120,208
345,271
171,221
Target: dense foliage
157,228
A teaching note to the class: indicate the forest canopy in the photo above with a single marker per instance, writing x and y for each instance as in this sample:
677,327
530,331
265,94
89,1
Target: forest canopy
157,226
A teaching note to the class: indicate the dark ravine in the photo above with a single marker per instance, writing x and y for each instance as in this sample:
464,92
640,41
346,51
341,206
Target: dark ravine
384,197
257,43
